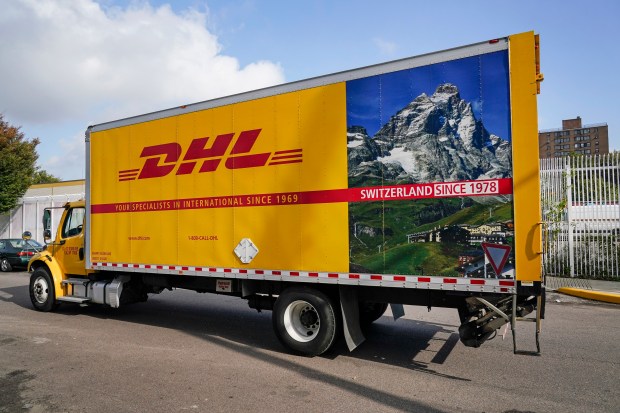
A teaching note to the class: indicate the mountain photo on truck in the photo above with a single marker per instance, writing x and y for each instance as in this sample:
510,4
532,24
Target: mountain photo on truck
442,123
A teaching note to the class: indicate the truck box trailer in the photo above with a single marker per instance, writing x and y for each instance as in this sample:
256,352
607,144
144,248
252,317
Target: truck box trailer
323,200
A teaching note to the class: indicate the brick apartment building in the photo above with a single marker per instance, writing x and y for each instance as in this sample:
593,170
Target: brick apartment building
573,138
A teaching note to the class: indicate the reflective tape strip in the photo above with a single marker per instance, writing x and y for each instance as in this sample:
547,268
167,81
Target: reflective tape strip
377,280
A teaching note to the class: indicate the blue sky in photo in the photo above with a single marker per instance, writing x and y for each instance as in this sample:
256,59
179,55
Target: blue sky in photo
481,80
85,62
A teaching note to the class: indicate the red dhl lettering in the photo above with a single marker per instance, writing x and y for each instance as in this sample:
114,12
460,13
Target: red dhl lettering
163,159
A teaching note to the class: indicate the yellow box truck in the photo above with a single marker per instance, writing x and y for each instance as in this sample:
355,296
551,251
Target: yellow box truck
323,200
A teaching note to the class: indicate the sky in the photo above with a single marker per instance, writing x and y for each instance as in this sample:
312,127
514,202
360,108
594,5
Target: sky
481,81
68,64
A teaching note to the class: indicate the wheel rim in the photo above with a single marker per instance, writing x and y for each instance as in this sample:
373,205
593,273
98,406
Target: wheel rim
3,264
40,290
302,321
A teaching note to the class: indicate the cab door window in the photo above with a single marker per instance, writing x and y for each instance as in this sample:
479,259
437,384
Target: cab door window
74,223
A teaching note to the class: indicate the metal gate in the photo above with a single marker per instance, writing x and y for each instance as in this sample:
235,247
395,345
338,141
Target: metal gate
580,198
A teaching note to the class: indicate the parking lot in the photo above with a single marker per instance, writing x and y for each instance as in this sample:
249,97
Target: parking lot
184,351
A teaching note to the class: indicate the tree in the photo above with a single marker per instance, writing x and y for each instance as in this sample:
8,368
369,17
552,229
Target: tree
18,169
42,177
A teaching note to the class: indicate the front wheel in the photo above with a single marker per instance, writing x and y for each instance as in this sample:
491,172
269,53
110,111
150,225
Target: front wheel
304,321
42,293
5,265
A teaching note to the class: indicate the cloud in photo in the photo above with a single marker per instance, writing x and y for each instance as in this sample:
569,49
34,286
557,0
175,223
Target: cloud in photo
65,59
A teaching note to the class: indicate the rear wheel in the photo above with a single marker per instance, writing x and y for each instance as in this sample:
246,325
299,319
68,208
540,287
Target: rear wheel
42,293
370,312
5,265
305,321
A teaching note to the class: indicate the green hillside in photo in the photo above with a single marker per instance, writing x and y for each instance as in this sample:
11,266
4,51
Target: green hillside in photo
378,233
418,259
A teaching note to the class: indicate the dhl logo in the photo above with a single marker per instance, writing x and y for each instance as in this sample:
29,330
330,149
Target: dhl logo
162,159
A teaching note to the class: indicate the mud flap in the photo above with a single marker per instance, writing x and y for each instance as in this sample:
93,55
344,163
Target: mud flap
398,311
349,305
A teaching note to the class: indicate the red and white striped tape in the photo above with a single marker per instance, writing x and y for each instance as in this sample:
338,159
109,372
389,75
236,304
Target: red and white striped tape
378,280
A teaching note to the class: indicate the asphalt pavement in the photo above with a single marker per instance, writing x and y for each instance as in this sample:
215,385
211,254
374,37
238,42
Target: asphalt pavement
187,352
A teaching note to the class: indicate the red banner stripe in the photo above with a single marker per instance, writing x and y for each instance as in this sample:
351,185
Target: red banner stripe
492,187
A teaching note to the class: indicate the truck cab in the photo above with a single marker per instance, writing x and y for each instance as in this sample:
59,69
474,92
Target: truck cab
62,260
67,248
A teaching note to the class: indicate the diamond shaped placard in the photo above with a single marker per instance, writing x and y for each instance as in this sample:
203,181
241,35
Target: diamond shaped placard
246,250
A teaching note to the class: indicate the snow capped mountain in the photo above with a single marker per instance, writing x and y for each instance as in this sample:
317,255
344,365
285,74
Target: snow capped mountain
434,138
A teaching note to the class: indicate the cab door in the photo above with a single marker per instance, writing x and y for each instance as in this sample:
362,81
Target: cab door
69,249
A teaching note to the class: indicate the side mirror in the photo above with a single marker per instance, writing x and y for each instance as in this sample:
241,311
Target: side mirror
47,219
47,225
27,236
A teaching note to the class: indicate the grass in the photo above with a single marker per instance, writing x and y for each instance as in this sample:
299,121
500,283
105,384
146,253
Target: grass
378,233
418,258
475,215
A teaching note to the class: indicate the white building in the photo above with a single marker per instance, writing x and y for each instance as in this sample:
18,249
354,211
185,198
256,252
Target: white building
28,214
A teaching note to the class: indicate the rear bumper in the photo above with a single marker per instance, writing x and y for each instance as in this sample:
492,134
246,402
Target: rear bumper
21,262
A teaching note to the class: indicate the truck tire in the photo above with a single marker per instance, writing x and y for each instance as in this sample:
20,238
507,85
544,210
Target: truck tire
42,293
371,312
304,321
5,265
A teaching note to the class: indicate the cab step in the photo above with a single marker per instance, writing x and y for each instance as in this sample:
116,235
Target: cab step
73,281
72,299
76,293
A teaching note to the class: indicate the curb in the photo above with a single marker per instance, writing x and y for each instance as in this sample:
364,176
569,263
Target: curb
591,295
